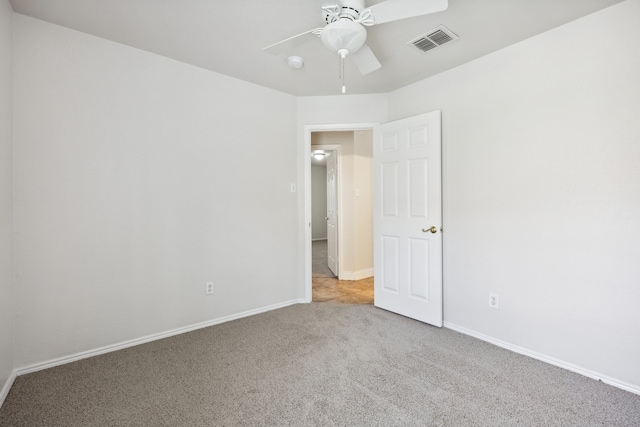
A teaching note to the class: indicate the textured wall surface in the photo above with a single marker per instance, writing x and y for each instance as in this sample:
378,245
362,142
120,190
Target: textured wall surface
542,191
138,179
6,196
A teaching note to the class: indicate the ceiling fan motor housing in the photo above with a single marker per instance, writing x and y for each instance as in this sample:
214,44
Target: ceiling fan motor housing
344,10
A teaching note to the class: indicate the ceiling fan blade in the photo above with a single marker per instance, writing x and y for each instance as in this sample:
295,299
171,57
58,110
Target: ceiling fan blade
394,10
287,45
366,60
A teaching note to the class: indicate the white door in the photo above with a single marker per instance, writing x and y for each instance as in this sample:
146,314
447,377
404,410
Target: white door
408,217
332,212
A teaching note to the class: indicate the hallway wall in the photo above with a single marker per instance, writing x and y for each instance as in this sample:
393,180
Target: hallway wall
318,202
7,307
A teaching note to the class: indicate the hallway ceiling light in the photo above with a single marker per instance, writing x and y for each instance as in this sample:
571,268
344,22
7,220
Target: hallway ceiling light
318,155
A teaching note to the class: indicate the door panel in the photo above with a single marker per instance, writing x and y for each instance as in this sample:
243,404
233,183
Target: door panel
418,269
389,272
332,213
418,185
407,203
390,189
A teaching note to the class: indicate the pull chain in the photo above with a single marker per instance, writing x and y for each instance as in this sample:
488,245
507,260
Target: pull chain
344,87
342,53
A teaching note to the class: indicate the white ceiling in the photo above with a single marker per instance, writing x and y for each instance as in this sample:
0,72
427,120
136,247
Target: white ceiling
228,36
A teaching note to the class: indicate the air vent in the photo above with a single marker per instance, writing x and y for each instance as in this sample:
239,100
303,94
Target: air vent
433,39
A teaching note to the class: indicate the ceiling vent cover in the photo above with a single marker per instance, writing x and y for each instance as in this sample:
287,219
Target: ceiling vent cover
433,39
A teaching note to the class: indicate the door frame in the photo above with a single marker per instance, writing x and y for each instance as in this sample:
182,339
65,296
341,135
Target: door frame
308,130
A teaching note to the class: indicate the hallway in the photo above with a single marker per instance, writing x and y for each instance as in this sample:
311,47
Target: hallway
327,288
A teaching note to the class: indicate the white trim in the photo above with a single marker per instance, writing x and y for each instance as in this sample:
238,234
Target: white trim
7,386
357,275
149,338
547,359
306,166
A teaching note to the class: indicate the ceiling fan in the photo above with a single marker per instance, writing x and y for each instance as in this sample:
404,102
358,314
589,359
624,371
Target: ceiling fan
345,32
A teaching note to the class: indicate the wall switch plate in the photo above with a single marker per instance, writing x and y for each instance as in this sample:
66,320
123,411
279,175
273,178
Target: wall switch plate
494,301
208,289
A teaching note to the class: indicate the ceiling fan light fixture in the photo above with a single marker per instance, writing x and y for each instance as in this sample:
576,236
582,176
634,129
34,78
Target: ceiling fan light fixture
344,34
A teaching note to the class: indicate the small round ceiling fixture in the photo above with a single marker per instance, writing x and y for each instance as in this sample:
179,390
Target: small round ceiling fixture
295,62
318,154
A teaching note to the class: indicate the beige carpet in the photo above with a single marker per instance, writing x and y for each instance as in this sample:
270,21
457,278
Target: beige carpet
316,365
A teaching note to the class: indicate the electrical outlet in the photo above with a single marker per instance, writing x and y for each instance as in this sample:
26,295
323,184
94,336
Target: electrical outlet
208,289
494,301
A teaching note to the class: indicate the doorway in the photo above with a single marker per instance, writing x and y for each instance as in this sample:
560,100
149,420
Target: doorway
408,188
350,278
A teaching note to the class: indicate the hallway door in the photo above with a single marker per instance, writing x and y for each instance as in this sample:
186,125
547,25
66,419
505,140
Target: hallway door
408,217
332,212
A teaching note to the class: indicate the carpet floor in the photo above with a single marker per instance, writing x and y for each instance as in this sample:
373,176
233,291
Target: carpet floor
315,364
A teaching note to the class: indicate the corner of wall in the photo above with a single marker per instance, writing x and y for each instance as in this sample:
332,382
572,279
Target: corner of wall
7,282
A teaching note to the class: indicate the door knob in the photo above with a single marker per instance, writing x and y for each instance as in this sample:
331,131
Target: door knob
433,229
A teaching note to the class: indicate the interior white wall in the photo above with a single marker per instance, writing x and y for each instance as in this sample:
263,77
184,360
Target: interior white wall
6,198
137,179
542,191
318,202
363,202
315,110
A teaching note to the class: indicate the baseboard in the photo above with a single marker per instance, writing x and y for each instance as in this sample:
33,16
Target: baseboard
7,386
547,359
363,274
115,347
356,275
